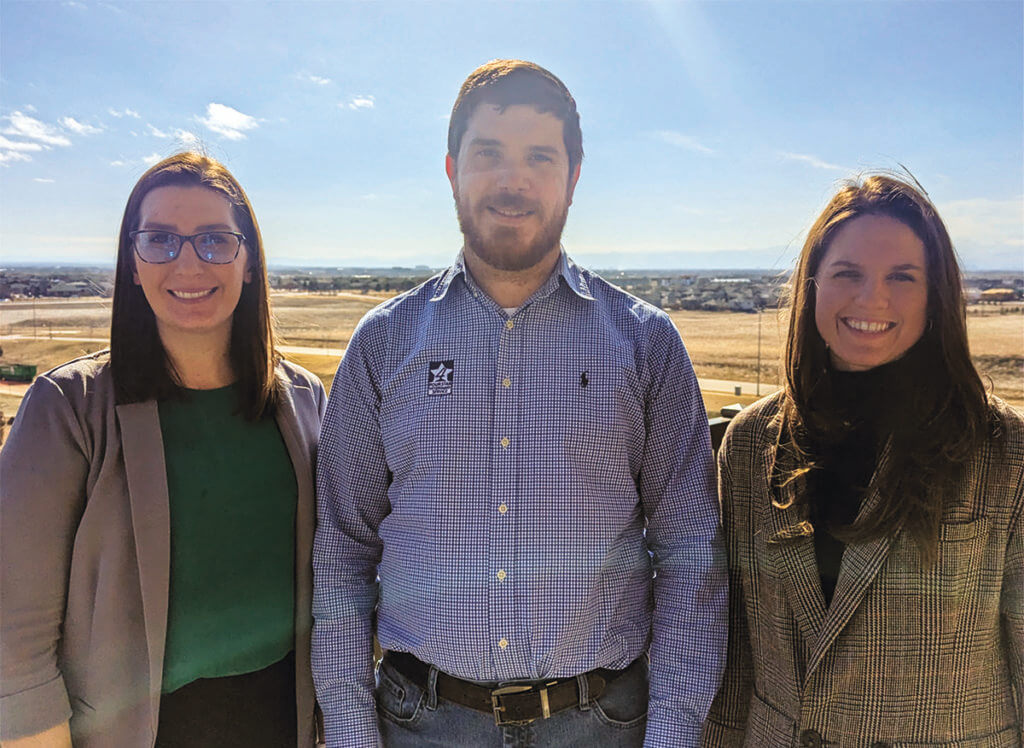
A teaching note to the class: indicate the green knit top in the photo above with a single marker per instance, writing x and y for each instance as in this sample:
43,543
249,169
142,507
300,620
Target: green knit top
232,505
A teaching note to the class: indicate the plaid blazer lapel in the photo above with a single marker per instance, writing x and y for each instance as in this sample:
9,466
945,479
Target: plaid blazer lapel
789,547
860,565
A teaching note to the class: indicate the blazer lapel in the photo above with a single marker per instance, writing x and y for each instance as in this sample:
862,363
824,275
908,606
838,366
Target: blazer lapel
302,455
789,546
860,565
301,452
146,472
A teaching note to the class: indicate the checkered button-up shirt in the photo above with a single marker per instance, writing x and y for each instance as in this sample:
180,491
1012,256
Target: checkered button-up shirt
534,490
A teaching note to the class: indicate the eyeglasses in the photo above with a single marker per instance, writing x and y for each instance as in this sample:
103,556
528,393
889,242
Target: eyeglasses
160,247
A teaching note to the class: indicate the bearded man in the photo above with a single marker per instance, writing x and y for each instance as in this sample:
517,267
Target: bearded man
515,484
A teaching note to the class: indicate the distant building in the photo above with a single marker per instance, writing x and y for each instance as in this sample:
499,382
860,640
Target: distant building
71,288
998,295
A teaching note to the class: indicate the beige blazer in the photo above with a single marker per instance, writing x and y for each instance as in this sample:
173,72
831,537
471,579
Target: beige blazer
905,655
84,556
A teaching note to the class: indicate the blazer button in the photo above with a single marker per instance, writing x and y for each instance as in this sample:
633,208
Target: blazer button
811,739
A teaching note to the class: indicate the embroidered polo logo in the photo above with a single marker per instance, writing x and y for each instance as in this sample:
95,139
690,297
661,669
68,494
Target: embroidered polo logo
439,377
583,380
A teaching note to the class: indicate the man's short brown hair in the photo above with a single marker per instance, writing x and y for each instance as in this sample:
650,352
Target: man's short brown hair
505,83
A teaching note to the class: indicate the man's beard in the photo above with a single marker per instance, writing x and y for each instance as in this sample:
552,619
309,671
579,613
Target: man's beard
503,249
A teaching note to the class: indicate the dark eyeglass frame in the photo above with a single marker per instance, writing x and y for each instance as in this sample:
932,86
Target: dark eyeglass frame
181,243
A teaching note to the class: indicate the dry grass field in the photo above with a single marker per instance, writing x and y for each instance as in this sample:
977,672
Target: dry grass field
722,345
320,321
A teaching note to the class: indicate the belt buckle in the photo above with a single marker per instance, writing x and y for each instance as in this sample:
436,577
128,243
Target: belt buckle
497,707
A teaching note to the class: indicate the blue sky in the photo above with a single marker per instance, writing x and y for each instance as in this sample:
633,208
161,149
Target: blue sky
714,131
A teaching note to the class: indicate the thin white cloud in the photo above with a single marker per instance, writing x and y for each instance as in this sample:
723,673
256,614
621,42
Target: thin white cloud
363,101
814,161
29,127
681,140
144,161
230,123
79,128
17,145
182,136
985,222
43,180
6,157
318,80
119,113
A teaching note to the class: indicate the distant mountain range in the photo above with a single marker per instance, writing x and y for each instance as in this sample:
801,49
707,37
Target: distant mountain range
769,260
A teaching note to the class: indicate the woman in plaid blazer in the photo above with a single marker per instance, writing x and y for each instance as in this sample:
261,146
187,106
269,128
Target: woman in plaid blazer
874,509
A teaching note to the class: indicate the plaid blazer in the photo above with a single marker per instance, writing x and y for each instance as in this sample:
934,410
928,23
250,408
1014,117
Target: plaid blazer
906,655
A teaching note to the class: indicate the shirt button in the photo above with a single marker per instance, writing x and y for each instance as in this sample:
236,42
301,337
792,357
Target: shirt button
503,642
509,324
502,508
506,382
501,575
505,442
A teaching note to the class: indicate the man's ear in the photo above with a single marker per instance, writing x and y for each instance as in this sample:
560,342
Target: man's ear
573,179
449,169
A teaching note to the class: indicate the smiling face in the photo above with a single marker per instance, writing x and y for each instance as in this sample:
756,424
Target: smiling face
872,297
190,297
512,185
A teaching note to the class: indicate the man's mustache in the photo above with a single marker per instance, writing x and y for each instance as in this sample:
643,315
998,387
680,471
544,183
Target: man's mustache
508,201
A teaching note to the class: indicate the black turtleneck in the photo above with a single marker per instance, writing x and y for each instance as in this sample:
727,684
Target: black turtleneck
862,403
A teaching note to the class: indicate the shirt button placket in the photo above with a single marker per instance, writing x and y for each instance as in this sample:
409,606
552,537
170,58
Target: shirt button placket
503,486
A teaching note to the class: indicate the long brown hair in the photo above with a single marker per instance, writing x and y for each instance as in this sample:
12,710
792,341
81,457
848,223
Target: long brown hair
949,416
139,363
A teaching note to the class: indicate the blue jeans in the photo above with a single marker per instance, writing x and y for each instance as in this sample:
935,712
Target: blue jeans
413,716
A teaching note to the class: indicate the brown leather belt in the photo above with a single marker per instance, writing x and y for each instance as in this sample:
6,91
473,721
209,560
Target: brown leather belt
518,703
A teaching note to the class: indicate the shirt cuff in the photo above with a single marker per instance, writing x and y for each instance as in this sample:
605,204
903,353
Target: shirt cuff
668,730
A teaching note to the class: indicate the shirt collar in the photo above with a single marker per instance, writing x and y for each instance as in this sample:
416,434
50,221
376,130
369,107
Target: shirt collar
566,268
574,277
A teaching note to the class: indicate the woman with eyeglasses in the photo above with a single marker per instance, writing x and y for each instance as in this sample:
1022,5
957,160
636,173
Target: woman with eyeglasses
156,501
874,508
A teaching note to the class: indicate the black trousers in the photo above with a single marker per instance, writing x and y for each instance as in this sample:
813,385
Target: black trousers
253,710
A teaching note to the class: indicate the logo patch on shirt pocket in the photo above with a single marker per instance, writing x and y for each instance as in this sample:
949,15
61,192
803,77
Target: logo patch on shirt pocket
440,377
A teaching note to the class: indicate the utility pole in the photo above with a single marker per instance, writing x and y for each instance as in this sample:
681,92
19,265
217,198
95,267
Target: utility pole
759,306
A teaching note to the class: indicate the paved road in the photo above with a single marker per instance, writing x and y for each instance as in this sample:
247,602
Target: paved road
727,385
707,385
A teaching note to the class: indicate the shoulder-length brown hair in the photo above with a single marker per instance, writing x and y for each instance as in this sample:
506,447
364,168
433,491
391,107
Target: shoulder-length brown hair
139,363
950,417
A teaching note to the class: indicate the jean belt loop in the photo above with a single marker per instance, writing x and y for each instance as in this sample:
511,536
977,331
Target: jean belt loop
432,689
583,689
